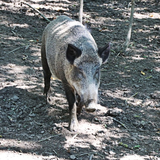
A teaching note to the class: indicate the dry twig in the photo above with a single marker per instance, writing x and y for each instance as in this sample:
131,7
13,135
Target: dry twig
130,97
54,151
48,138
120,123
36,11
15,49
90,158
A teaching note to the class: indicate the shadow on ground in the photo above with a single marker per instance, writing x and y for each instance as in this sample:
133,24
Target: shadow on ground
126,125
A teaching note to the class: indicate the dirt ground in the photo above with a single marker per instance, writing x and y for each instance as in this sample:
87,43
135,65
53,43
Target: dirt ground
126,126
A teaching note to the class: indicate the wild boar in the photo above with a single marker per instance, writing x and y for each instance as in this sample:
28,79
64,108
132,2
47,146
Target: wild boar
70,53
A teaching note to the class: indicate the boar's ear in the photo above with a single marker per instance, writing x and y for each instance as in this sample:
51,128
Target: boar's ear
104,52
72,53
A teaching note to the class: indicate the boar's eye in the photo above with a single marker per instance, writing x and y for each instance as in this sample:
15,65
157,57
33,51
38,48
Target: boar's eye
96,75
78,74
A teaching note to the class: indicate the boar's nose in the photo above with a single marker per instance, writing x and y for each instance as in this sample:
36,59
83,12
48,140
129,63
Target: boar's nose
91,105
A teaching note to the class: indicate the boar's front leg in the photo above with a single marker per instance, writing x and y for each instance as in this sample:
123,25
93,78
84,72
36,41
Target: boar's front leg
73,122
79,105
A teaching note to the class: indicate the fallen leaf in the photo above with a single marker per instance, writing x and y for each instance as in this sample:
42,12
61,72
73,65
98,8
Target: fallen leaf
124,145
149,77
151,15
143,73
136,116
136,146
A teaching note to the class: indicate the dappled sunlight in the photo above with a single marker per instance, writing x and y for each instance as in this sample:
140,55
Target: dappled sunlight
125,125
24,86
10,155
19,25
119,94
20,144
157,69
133,157
124,75
137,57
13,38
144,16
13,68
87,132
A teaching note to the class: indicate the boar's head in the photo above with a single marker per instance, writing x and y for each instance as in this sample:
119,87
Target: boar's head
83,75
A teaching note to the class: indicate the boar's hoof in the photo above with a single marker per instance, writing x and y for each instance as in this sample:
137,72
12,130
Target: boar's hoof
91,107
73,125
47,94
47,90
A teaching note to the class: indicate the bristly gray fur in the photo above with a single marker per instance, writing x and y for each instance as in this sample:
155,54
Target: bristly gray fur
70,53
56,37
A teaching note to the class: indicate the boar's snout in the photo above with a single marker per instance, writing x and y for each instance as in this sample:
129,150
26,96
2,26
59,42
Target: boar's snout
91,105
88,97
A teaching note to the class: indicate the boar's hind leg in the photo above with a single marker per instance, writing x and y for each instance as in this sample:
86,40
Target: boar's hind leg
46,71
73,122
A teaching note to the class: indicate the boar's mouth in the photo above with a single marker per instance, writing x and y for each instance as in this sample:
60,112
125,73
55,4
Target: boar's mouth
90,104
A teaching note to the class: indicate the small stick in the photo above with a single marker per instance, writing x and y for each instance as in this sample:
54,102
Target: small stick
120,123
54,151
83,154
118,54
48,138
99,154
36,11
90,158
133,95
40,124
15,49
130,97
75,136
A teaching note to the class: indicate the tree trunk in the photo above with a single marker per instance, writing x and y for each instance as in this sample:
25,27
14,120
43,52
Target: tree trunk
130,26
81,11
